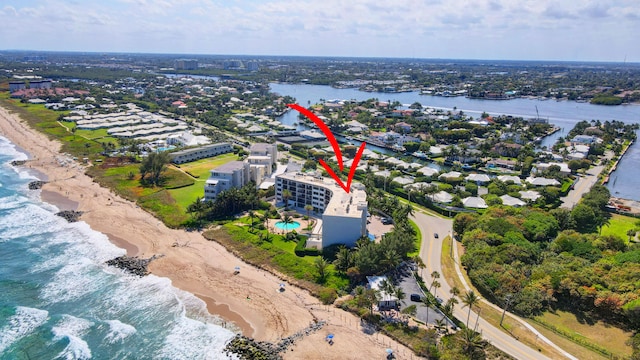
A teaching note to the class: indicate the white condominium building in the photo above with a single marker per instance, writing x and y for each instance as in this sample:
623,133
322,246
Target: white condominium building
188,155
344,215
227,176
262,158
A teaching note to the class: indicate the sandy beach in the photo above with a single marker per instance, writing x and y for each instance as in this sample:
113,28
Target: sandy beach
250,300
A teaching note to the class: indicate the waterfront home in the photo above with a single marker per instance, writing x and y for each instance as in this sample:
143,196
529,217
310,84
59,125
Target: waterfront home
501,163
585,139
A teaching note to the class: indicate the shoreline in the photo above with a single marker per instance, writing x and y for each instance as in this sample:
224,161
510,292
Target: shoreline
250,300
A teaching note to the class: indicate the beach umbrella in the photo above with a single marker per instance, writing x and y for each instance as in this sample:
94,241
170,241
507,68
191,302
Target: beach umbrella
389,351
330,336
237,268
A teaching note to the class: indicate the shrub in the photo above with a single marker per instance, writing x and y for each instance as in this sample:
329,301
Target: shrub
328,295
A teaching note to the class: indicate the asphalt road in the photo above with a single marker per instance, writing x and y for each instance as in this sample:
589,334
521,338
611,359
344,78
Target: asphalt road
430,253
581,187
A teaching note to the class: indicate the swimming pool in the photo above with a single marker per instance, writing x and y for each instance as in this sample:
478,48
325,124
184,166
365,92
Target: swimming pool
290,226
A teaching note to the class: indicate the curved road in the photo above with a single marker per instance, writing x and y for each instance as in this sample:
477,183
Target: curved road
430,252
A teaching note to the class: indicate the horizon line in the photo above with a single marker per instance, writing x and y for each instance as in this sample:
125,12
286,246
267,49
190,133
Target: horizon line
624,62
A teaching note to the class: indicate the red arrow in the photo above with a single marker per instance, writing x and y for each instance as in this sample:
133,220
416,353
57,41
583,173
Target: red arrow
336,148
325,129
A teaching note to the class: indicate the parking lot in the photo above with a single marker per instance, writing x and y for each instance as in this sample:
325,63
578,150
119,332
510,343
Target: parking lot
410,286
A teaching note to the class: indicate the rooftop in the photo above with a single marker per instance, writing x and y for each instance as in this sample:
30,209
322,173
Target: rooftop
342,203
230,167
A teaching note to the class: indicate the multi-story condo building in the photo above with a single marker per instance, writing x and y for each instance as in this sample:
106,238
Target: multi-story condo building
183,156
344,215
262,159
227,176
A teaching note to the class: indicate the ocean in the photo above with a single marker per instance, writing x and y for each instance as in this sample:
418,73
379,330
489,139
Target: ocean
59,300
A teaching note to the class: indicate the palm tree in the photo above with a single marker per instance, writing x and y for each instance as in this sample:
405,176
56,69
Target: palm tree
455,291
419,263
427,302
472,342
400,294
470,299
286,195
287,220
344,259
322,266
434,275
435,285
448,306
251,216
441,325
308,208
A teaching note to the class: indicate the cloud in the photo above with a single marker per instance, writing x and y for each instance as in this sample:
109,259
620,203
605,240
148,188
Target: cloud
336,27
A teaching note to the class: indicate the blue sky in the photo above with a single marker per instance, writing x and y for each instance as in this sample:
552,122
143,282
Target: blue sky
589,30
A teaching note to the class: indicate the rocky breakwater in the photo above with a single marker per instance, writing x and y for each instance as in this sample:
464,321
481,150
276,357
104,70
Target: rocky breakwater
70,215
134,265
248,348
36,185
18,162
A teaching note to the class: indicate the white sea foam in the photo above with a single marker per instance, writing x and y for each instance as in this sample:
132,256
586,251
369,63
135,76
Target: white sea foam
118,331
22,323
9,149
191,339
72,328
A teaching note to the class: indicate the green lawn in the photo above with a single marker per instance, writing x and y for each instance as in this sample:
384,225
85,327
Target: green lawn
418,240
185,196
200,168
619,225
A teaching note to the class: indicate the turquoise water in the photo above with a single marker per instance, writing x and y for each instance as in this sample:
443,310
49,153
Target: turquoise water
282,226
58,299
160,149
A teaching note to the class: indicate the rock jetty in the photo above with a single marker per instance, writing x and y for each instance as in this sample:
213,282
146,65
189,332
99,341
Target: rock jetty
248,348
36,185
70,215
18,162
134,265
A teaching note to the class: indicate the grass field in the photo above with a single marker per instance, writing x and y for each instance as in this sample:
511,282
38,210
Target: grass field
200,168
185,196
619,225
599,333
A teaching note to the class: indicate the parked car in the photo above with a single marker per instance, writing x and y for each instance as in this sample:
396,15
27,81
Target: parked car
386,221
415,297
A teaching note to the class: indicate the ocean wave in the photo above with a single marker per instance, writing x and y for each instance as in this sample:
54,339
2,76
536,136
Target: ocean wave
7,148
73,281
191,339
22,323
118,331
72,329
